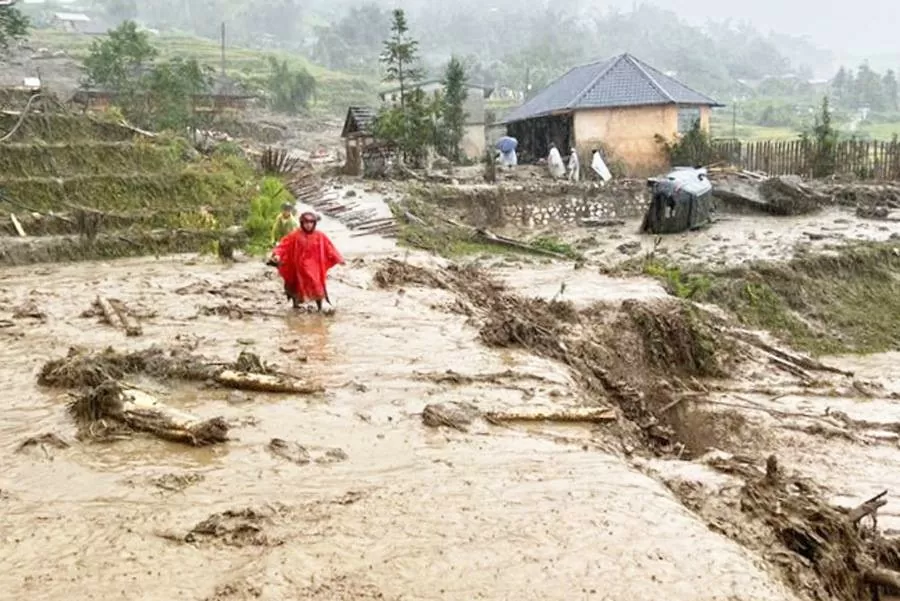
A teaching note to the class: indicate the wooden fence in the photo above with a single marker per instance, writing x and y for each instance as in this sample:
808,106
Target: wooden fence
862,159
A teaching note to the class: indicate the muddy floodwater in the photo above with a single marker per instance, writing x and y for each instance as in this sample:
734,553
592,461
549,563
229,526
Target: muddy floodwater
386,508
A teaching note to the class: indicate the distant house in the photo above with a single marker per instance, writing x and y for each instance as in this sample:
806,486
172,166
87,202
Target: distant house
225,95
358,136
473,143
620,104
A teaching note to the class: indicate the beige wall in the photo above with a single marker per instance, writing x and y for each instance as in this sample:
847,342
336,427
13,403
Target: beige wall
628,134
473,142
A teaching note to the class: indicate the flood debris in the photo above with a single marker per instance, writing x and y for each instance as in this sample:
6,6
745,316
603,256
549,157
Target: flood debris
235,528
458,416
567,415
43,442
29,310
821,550
83,368
301,455
116,314
176,482
111,406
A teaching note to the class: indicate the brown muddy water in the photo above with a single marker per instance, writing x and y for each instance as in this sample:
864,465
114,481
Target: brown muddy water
412,513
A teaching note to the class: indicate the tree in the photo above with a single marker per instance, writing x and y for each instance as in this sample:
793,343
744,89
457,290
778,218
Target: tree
120,60
289,91
400,56
171,88
868,88
889,83
13,26
840,85
453,113
411,129
821,143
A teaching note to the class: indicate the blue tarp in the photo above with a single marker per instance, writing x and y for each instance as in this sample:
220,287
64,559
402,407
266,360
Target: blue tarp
507,144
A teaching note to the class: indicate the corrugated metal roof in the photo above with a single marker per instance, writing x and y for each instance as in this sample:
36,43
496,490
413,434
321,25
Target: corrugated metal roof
359,120
616,82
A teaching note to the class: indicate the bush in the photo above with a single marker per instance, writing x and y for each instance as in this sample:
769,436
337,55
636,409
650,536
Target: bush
264,208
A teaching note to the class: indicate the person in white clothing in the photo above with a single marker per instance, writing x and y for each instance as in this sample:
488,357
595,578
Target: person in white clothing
555,163
599,167
574,167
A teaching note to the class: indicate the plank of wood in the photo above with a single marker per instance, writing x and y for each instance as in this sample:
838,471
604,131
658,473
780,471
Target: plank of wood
265,383
570,415
17,225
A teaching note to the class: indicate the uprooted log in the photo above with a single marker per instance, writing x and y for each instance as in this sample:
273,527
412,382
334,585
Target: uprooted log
118,317
255,382
568,415
82,368
789,360
111,408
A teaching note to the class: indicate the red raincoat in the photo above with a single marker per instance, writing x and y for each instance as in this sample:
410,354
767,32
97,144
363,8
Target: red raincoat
303,262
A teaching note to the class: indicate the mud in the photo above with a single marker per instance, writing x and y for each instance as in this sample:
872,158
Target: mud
536,510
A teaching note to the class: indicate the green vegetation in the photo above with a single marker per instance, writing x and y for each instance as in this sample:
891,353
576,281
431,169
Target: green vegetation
846,301
264,208
692,149
156,95
333,92
824,139
13,26
290,90
452,113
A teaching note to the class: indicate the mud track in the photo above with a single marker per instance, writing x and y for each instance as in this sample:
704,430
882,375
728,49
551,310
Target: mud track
348,494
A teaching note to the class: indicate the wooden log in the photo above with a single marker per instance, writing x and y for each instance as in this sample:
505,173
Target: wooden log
110,314
132,327
882,577
239,380
867,507
17,225
797,360
138,411
571,415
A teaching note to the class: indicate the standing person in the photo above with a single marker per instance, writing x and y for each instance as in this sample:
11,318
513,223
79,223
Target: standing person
555,163
507,146
284,224
574,167
599,167
304,257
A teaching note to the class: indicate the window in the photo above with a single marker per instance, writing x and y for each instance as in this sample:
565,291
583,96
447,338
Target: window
687,117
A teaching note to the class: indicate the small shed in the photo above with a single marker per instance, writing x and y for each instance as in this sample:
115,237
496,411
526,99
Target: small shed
358,136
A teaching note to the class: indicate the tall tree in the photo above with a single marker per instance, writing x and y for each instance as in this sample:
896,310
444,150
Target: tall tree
119,60
401,56
868,88
840,86
13,26
889,84
452,111
289,91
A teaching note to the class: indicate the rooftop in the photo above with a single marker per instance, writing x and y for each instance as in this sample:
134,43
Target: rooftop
359,120
620,81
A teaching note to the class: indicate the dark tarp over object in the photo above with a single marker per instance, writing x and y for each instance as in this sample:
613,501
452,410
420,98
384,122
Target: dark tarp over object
682,200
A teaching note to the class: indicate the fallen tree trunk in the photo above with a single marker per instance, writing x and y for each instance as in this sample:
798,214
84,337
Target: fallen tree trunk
571,415
265,383
17,225
868,507
116,318
110,405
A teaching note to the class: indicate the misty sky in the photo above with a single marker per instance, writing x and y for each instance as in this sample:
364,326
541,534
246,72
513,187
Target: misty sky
849,28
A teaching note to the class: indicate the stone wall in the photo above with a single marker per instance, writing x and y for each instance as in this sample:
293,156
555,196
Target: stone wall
536,205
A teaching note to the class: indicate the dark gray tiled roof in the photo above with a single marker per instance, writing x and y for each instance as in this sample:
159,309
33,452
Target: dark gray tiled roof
616,82
359,120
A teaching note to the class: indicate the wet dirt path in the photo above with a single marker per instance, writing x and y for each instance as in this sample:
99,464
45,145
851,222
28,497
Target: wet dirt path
412,513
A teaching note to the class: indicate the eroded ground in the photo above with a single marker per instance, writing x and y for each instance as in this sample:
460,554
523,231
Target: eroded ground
386,508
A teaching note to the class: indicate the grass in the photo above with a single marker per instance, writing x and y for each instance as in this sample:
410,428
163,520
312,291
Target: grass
843,302
336,90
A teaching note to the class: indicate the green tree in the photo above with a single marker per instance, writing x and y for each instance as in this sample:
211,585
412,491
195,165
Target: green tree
840,85
889,83
400,56
171,89
120,60
693,149
289,91
868,88
453,114
821,143
13,26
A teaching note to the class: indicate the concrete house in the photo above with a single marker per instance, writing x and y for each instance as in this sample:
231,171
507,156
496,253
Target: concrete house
619,105
473,144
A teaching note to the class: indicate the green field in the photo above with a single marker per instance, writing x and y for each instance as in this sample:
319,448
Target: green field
335,90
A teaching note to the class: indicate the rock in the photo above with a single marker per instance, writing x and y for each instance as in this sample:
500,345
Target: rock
350,194
630,248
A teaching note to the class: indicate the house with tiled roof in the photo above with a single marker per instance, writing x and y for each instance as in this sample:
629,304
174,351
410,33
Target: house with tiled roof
619,105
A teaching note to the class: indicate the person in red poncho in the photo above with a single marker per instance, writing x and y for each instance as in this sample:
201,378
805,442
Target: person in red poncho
303,258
